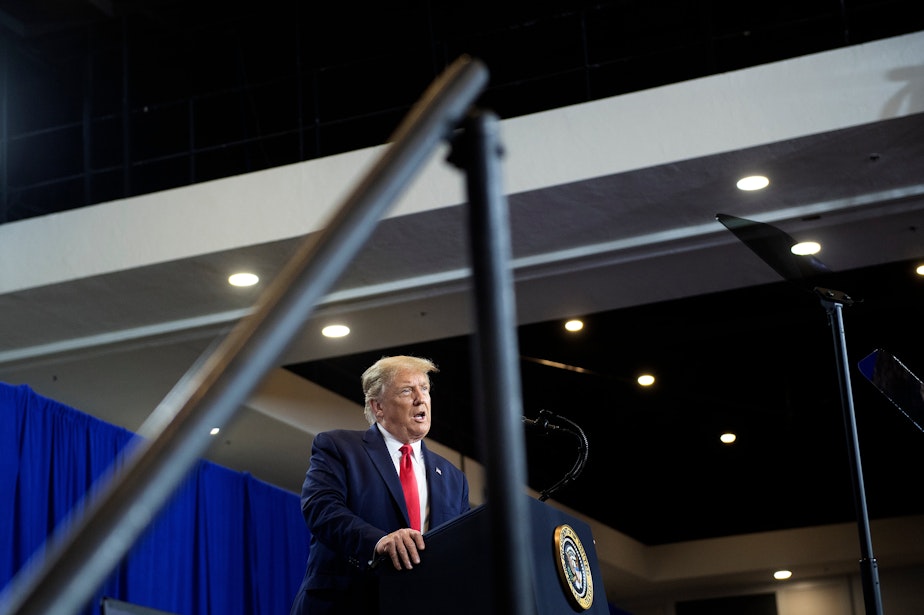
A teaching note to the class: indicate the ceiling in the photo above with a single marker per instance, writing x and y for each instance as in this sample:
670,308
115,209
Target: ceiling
618,228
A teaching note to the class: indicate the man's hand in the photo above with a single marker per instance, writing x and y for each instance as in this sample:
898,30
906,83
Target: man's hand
402,547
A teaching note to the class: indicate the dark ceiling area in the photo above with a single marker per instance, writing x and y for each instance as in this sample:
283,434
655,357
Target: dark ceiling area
106,100
101,101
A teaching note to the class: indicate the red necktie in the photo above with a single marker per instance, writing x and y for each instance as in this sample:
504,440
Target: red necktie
409,485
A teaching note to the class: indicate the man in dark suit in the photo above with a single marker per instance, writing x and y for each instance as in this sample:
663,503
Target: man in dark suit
352,498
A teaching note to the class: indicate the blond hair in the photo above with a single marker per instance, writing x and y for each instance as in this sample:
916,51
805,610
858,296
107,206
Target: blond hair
383,371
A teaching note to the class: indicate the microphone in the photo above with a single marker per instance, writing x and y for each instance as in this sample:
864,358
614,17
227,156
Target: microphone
540,422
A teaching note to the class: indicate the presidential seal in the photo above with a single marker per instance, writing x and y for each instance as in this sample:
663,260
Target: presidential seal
573,567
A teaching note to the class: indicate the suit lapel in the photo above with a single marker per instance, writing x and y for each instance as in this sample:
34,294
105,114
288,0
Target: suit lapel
435,490
378,454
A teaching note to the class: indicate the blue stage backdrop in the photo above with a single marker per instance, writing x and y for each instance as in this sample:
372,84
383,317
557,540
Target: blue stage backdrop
225,543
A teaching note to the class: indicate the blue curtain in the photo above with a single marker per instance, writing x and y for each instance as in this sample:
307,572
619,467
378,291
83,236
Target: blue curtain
225,543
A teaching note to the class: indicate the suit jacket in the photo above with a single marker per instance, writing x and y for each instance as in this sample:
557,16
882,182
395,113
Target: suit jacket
351,498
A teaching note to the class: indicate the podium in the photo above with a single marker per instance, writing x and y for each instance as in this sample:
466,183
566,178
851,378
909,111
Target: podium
456,574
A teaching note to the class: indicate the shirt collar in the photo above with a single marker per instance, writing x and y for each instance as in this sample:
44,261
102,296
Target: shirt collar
394,444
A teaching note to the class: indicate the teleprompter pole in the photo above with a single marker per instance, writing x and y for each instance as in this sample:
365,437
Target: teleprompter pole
833,302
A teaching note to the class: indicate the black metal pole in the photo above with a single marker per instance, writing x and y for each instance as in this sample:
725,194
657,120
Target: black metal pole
478,151
833,301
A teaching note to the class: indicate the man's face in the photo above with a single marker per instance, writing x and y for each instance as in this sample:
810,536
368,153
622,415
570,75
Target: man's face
404,406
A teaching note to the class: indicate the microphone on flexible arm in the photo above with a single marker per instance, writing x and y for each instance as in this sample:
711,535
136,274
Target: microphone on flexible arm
542,422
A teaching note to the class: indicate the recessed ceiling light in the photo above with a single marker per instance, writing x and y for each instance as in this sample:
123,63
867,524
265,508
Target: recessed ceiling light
782,575
753,182
920,270
335,331
214,431
728,437
574,325
804,248
243,279
646,380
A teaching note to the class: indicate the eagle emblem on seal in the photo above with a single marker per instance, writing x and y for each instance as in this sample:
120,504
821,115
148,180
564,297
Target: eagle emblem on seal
574,567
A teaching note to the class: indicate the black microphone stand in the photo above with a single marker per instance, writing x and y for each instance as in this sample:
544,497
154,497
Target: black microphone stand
583,448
